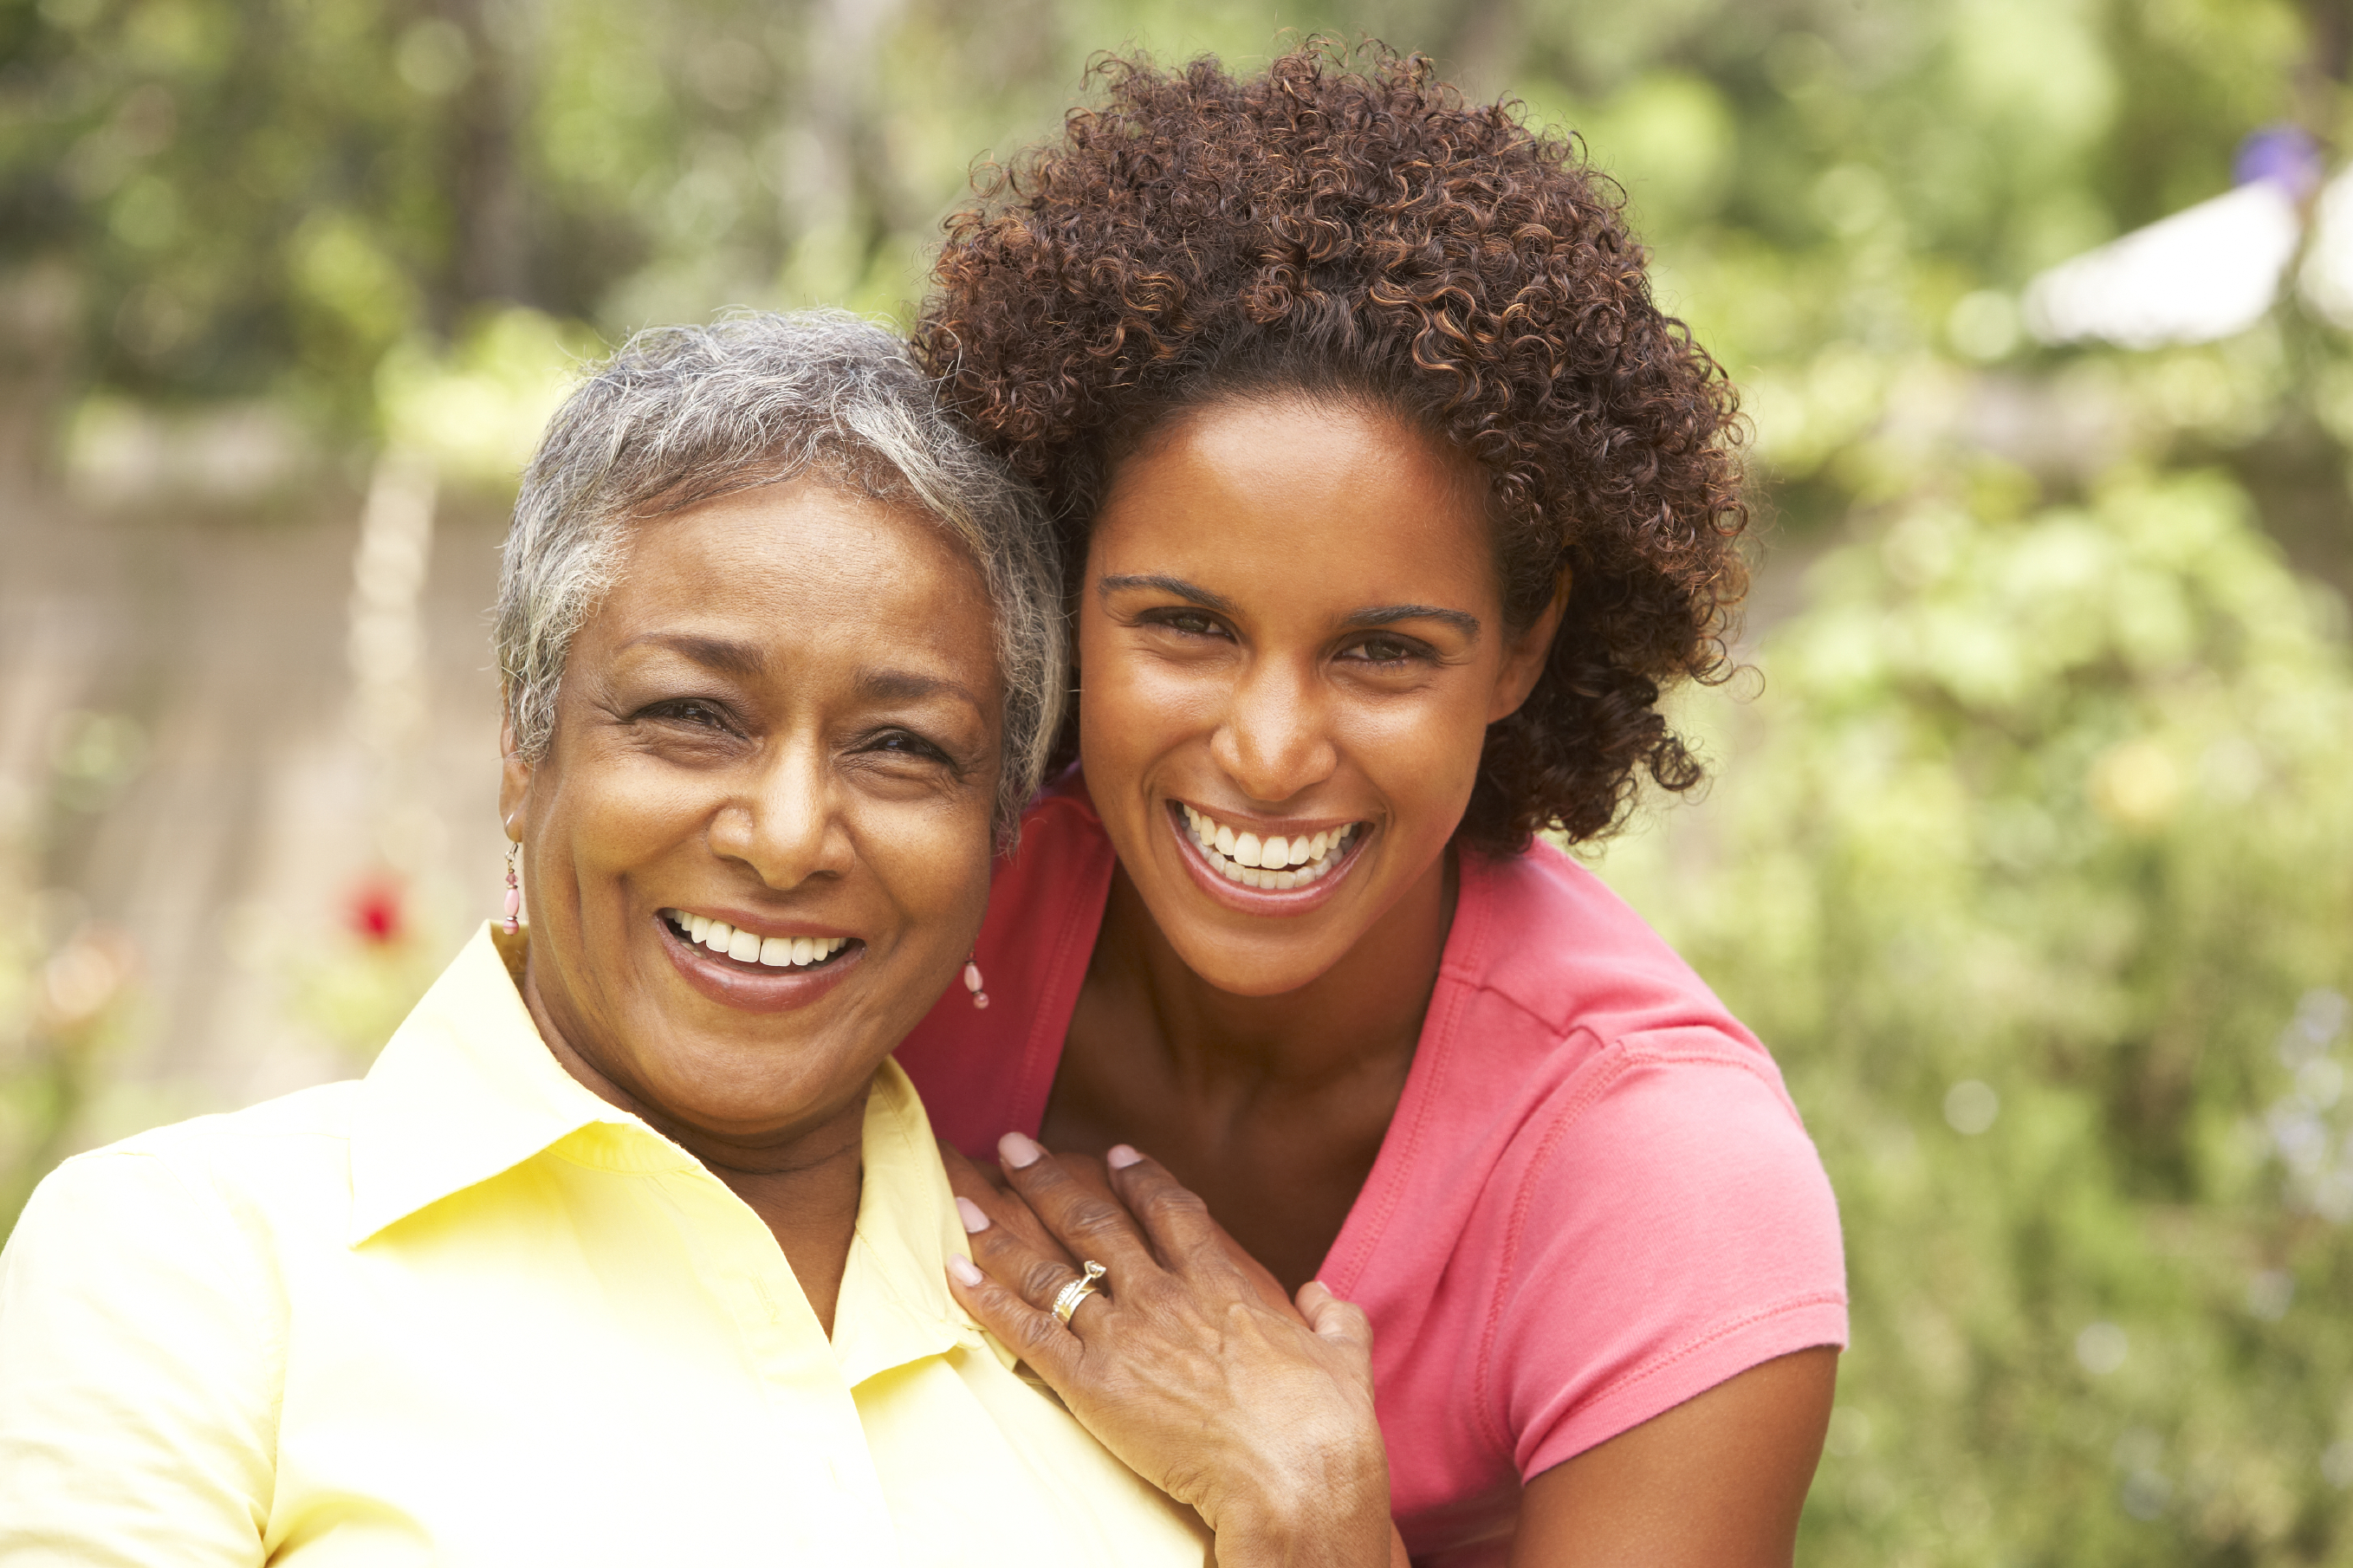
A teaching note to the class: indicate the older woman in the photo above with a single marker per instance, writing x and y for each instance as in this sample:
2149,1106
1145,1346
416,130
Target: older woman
1392,506
630,1247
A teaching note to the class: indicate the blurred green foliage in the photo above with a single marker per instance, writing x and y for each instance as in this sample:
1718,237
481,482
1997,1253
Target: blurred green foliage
2034,861
2034,858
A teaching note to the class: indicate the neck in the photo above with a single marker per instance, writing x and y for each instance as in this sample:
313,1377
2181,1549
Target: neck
1363,1016
804,1184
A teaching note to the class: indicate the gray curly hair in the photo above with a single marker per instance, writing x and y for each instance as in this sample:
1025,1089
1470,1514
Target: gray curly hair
684,415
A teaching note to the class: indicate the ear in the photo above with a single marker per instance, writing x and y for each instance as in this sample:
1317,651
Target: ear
1523,660
514,779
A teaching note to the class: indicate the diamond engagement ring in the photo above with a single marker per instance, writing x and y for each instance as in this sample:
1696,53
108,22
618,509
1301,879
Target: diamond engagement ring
1076,1291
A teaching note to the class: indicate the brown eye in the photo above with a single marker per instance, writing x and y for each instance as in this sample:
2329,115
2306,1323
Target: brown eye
699,715
1385,651
907,744
1189,623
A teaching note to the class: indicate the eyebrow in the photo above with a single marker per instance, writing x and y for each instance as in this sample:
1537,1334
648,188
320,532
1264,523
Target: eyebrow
1389,614
907,685
1371,615
746,662
1176,585
742,661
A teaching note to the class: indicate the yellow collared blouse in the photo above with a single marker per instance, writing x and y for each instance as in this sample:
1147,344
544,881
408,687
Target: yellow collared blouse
462,1311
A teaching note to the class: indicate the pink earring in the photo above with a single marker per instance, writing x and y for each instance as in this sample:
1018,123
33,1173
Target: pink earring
515,891
972,983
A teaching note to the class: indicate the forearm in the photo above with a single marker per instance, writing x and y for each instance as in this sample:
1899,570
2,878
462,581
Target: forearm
1312,1530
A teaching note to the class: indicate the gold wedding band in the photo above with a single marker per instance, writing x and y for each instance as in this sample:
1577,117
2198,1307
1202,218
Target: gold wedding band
1076,1291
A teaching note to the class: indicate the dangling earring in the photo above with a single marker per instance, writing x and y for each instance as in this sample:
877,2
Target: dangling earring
972,982
515,891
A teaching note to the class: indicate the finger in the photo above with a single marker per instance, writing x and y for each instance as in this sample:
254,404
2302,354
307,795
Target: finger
1076,1204
1182,1231
1031,1334
1007,1240
970,1176
1017,1256
1337,1321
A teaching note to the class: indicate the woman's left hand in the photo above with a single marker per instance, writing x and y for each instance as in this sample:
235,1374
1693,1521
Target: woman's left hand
1187,1361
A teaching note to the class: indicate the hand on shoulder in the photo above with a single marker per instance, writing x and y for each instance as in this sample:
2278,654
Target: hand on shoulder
1187,1361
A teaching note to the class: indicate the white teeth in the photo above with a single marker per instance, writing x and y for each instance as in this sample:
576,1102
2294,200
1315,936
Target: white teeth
1267,864
750,947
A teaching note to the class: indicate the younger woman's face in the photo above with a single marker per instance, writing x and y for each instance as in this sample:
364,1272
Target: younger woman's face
1291,644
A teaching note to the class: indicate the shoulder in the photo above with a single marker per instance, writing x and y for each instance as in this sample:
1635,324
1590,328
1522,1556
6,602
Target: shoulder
1661,1221
239,1167
283,1127
1546,935
1640,1099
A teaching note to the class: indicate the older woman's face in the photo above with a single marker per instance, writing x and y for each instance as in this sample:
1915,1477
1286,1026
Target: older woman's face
1291,644
783,719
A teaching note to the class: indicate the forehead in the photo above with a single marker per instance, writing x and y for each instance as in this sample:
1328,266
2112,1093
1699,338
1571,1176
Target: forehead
804,562
1303,483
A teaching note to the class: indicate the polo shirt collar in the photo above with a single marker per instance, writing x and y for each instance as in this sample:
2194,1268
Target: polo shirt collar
467,1090
894,1305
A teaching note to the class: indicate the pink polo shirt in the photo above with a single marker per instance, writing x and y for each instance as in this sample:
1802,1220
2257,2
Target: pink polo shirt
1596,1199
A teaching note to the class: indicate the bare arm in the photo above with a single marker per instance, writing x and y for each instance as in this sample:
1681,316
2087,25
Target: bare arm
1715,1482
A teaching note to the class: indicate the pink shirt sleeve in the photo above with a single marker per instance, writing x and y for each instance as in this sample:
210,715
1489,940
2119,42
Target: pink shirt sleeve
1674,1229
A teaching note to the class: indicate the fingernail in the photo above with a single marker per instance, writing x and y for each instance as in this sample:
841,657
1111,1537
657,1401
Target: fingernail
1020,1152
975,1222
1121,1157
961,1266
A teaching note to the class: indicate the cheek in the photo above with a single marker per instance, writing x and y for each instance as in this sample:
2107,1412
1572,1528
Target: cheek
1134,704
1423,757
626,808
932,867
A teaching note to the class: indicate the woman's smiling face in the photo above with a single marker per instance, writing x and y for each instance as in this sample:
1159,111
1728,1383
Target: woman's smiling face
783,720
1291,644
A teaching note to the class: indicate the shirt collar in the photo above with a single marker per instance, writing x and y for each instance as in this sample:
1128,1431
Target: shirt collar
894,1305
466,1090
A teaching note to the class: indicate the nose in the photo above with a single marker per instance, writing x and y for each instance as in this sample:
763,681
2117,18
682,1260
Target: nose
1276,737
784,824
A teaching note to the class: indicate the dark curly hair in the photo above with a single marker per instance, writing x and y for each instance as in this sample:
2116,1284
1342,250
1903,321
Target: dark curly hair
1368,234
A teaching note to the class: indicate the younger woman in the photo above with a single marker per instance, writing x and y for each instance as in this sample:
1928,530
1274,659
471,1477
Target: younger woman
1391,503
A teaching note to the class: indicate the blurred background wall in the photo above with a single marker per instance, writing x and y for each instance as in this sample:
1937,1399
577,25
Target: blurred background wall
2031,847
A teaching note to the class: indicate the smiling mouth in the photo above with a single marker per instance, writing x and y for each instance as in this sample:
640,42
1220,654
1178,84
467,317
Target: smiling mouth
1273,863
753,951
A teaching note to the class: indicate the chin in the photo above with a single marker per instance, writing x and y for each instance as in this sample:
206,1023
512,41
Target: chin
1271,970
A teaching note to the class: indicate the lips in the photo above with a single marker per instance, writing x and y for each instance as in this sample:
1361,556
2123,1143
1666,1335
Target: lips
1265,873
755,984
